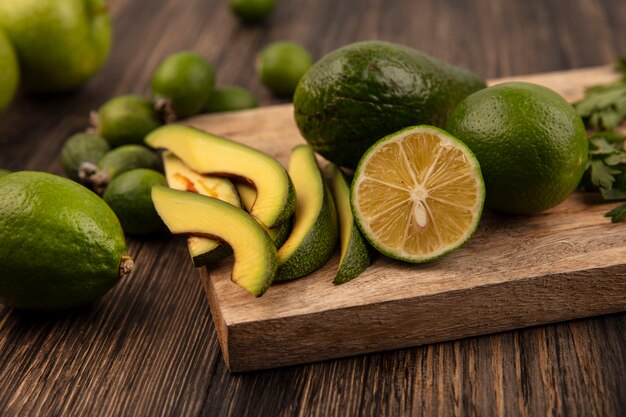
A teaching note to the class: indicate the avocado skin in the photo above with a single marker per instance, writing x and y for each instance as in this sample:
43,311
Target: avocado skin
364,91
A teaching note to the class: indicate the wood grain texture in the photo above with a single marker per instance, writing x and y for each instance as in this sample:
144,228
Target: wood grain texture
516,271
149,347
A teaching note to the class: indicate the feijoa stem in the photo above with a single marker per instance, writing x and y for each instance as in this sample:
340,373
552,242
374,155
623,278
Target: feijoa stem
126,265
94,122
164,108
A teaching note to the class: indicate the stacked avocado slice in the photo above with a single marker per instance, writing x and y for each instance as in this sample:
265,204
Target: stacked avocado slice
231,198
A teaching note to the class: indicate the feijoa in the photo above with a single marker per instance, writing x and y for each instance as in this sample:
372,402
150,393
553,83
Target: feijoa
230,98
182,84
129,197
126,120
61,245
116,162
252,11
281,65
81,148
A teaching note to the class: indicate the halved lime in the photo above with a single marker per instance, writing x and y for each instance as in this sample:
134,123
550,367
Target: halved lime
418,194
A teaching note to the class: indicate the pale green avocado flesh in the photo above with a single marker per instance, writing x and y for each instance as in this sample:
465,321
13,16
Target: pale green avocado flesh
203,251
280,233
255,260
211,154
314,234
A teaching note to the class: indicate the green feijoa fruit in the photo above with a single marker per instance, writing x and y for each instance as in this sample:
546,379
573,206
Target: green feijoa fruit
362,92
129,197
182,84
230,98
116,162
126,120
61,245
252,11
9,71
81,148
280,66
59,44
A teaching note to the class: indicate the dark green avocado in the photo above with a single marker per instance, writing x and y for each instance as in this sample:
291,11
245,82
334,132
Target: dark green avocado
359,93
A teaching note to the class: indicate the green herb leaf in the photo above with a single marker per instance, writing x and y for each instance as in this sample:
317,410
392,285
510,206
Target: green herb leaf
600,146
613,194
602,174
604,107
617,214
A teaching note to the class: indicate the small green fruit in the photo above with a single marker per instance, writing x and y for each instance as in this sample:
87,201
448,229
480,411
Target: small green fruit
9,71
230,98
252,11
183,84
81,148
126,120
281,65
61,245
60,44
116,162
128,195
4,172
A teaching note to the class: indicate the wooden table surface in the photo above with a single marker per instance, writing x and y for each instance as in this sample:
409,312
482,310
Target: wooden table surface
149,347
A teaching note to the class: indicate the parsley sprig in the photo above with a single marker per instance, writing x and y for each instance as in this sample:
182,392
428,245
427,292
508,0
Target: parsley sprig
603,109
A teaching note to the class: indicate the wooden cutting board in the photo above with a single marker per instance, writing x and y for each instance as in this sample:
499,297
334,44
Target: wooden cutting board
516,271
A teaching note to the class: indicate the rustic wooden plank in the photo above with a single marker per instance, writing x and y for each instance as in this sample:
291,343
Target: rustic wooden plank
515,272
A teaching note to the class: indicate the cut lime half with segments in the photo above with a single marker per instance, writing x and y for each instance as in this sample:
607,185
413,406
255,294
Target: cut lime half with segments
418,194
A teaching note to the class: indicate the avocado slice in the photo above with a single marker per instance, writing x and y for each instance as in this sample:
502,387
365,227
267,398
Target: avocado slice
179,176
280,233
211,154
189,213
314,235
356,254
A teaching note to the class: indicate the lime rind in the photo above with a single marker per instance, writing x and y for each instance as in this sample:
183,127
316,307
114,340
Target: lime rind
477,210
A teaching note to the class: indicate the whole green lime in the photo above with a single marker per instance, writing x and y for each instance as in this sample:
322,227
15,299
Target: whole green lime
9,71
129,195
60,43
364,91
184,81
81,148
61,245
126,120
530,143
251,11
281,65
230,98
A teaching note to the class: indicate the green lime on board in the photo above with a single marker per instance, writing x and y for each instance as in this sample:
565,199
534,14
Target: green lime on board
79,149
252,11
9,71
280,66
60,44
126,120
182,84
230,98
61,245
129,196
531,145
357,94
417,194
